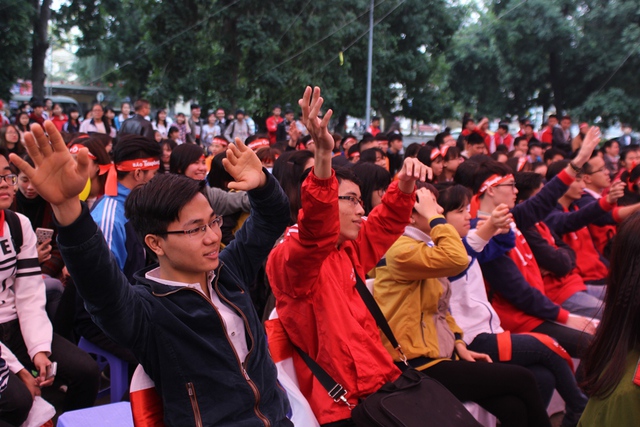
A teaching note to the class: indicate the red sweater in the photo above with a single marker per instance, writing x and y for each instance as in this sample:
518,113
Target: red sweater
314,284
558,289
272,128
588,263
511,318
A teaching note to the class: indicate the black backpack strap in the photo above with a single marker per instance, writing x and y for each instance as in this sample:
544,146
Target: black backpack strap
335,389
377,314
15,227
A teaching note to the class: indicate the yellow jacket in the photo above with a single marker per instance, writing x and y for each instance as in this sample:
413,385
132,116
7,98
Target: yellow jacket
413,291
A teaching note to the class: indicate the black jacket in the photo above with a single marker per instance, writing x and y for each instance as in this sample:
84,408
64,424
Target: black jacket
176,332
137,125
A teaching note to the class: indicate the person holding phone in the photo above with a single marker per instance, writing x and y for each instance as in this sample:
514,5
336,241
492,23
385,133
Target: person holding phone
27,341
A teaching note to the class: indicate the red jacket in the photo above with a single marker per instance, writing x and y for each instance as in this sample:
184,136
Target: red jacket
314,285
558,289
511,317
546,136
272,128
588,263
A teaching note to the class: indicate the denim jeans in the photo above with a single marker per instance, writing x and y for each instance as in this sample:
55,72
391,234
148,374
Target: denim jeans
529,352
584,304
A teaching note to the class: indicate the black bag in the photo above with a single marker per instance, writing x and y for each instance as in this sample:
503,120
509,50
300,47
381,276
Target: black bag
412,400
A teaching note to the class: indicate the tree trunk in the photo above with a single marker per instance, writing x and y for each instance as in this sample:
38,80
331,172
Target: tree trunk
555,77
40,45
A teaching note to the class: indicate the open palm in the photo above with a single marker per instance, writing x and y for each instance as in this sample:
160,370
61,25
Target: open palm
57,176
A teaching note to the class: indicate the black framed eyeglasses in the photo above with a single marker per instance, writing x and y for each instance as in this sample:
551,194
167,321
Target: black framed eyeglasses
355,201
10,179
512,185
200,230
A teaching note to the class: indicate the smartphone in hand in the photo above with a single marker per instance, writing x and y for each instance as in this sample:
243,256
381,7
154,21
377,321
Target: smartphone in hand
43,234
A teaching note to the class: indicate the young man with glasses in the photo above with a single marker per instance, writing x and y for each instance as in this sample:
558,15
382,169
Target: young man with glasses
27,341
313,272
190,320
514,279
596,180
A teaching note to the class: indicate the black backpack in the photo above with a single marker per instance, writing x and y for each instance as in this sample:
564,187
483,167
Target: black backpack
15,227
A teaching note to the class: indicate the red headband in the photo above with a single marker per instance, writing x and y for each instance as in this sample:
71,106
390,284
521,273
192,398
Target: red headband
111,186
521,162
76,148
492,181
220,141
258,143
434,154
444,150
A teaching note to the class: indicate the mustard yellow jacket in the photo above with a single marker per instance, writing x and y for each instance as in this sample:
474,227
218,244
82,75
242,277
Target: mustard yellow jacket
413,291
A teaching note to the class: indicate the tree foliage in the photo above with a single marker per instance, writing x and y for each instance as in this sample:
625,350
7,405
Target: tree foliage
253,54
15,42
577,55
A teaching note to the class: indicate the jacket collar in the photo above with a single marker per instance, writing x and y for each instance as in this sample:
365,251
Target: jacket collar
416,234
161,288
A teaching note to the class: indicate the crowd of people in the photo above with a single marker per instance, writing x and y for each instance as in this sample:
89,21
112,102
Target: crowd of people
496,259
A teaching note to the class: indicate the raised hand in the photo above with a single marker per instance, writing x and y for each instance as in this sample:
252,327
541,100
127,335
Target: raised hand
591,140
426,204
244,166
318,128
615,192
412,171
57,177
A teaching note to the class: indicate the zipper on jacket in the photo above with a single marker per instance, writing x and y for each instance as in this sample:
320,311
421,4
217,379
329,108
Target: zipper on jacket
423,327
194,404
252,385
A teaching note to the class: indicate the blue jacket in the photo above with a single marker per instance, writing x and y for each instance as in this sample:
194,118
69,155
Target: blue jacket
177,334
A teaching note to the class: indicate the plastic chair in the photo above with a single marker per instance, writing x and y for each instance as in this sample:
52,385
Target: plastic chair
112,415
119,370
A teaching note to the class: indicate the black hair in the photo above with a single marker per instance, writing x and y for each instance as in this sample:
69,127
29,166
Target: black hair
182,156
372,178
555,168
486,169
131,147
158,117
503,126
465,173
452,196
424,154
475,139
347,174
496,155
452,153
151,207
412,150
619,330
218,177
551,153
369,155
527,183
393,136
439,138
288,170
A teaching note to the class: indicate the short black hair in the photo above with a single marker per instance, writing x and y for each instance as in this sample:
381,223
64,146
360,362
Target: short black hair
465,174
486,169
551,153
439,138
412,150
452,196
151,207
347,174
475,139
184,155
424,154
527,183
555,168
369,155
372,178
